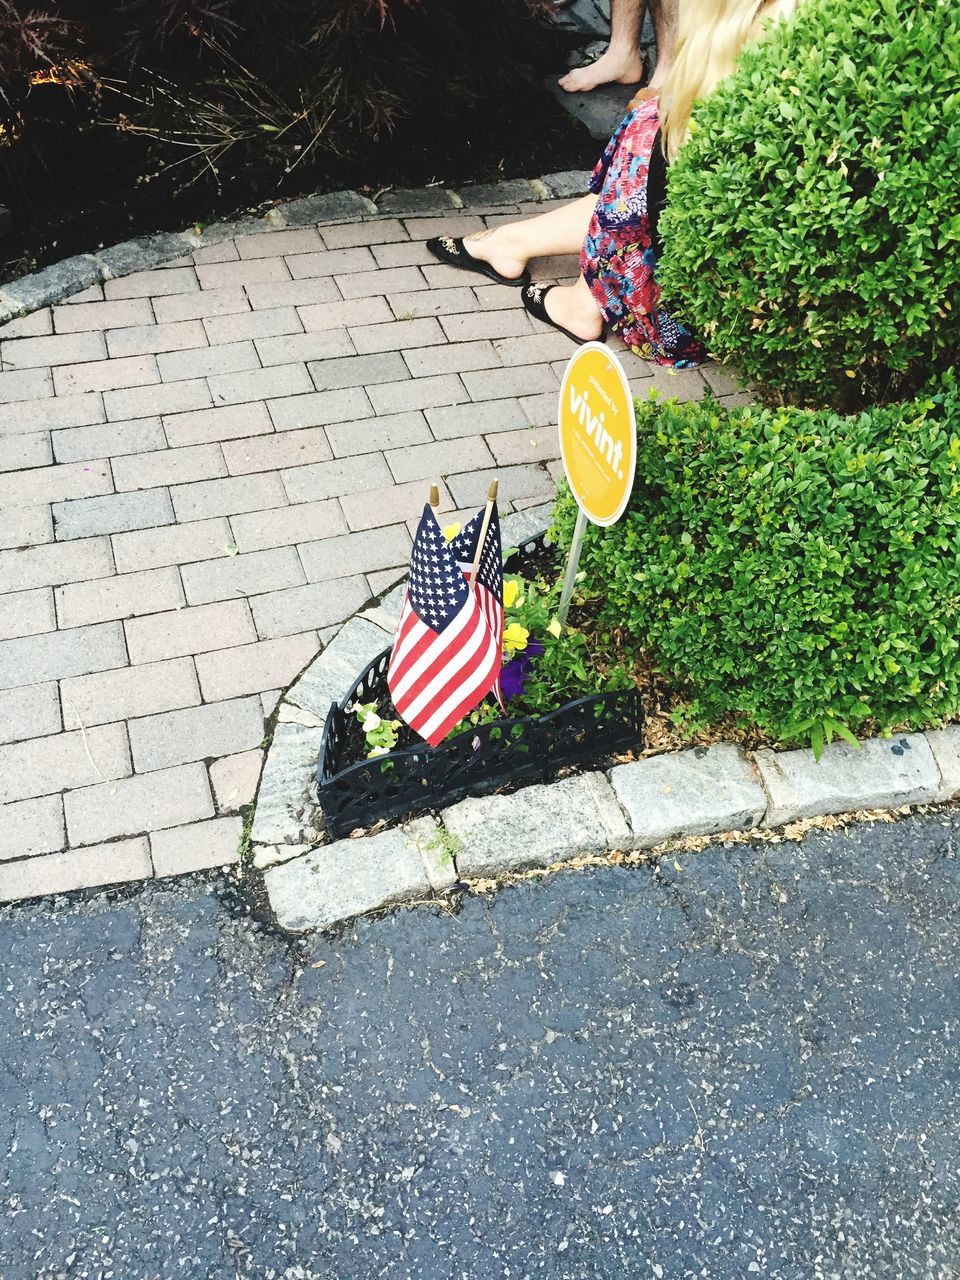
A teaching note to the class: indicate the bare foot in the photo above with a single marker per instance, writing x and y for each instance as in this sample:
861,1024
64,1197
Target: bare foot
573,307
493,247
612,67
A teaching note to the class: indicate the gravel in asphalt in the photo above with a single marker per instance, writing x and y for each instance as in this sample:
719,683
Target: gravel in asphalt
747,1066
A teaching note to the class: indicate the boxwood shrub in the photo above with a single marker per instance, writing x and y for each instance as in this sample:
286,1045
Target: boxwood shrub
797,568
813,233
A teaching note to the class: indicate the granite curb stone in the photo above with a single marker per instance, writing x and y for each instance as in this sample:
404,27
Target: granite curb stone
880,773
945,745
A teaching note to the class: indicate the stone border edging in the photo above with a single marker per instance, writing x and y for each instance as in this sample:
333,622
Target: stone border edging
71,275
700,791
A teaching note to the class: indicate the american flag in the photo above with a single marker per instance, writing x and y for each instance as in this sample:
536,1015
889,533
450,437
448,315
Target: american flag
445,659
489,575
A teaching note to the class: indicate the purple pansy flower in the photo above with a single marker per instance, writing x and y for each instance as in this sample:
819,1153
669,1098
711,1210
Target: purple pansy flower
513,674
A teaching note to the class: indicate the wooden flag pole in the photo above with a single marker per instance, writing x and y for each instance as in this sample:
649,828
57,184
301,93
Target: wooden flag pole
485,525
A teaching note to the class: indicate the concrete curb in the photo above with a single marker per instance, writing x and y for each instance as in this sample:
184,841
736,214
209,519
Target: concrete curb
63,279
701,791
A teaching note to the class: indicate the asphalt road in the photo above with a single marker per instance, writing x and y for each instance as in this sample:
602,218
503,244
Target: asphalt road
746,1067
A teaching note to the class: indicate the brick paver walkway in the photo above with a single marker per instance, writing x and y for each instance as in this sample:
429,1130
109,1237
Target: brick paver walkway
202,469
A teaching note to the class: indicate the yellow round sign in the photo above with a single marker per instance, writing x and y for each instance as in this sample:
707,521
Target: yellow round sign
598,432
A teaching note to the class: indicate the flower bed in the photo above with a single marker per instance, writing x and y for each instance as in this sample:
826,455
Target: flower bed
570,710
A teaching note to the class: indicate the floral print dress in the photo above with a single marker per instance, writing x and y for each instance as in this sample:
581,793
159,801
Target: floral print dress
619,260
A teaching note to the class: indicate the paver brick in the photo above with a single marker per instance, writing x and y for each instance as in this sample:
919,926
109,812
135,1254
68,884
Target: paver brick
242,575
49,564
31,827
106,375
293,293
82,316
25,527
520,481
197,306
149,339
49,414
226,275
322,345
336,315
108,440
124,595
197,847
357,371
146,802
424,227
254,668
234,780
176,544
224,251
396,336
168,466
286,449
521,380
228,497
208,362
486,324
383,280
44,484
330,262
23,451
195,733
252,324
260,384
113,863
453,421
128,692
113,513
29,711
535,444
168,397
404,253
277,244
196,630
59,761
427,461
25,613
457,357
286,526
389,432
538,348
380,231
377,507
93,293
432,302
351,553
319,604
27,384
152,284
319,408
31,326
228,422
336,478
418,393
67,348
56,654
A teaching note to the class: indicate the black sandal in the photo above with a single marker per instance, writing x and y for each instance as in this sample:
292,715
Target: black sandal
452,252
534,297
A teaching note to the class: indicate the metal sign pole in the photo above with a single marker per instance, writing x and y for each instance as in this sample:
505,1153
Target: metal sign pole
573,561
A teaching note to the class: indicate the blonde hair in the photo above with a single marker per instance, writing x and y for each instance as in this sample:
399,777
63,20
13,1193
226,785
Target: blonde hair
709,39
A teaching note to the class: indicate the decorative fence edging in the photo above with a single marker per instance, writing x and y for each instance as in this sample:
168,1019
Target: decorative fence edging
700,791
63,279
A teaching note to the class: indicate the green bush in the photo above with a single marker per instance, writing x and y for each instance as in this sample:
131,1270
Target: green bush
797,568
813,233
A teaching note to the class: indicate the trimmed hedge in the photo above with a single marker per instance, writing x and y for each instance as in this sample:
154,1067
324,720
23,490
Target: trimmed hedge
797,568
813,232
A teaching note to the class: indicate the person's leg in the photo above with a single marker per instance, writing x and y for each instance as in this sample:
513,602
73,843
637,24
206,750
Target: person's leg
664,14
508,248
622,61
575,307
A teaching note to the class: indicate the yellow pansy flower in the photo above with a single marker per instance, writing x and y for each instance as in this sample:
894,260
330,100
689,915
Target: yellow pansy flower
554,628
451,530
511,591
515,637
